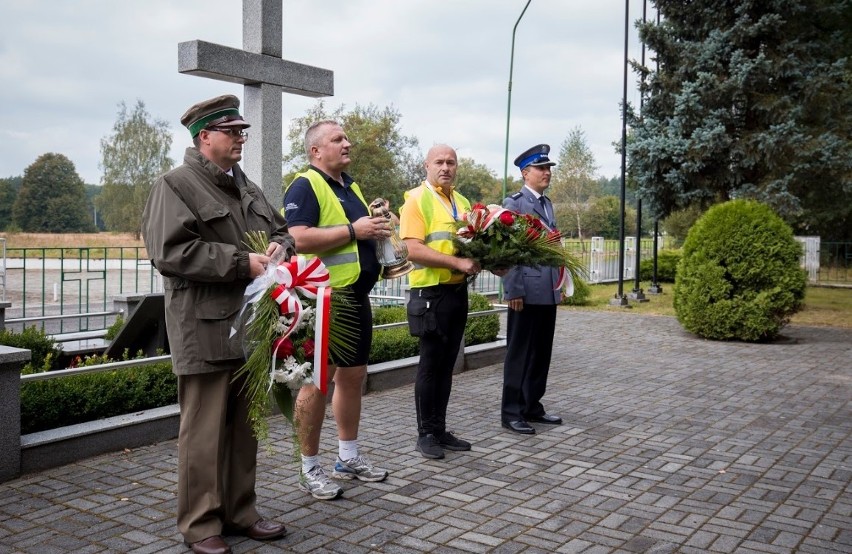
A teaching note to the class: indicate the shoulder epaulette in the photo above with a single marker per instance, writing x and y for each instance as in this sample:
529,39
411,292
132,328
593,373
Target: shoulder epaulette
516,195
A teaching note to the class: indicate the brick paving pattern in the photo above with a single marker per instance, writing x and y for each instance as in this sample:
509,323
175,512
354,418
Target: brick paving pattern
670,444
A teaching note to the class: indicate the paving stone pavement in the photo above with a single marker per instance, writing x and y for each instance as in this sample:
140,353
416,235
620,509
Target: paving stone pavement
670,444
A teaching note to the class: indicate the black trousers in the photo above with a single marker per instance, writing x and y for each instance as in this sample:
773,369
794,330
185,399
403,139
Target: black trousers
529,339
438,353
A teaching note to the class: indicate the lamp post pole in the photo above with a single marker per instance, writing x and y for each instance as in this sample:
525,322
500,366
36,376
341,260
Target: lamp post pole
509,106
655,287
620,299
637,295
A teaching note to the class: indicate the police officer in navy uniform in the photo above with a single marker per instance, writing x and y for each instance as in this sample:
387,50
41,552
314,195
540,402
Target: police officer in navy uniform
531,298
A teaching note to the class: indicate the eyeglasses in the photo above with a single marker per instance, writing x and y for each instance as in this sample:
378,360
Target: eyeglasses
234,132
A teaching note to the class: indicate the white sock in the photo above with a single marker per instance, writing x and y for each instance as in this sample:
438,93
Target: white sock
347,449
308,462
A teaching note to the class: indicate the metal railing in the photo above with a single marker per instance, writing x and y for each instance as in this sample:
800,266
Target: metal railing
77,283
41,283
2,269
835,262
138,362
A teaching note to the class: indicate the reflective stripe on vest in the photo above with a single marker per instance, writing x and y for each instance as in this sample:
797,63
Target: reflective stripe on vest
439,231
342,262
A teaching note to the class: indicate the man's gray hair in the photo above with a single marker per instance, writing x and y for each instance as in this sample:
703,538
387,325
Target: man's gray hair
314,133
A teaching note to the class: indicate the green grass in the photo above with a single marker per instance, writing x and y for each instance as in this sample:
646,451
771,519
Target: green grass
824,306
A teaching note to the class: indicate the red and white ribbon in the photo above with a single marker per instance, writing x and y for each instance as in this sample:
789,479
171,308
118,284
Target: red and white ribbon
565,280
310,278
481,218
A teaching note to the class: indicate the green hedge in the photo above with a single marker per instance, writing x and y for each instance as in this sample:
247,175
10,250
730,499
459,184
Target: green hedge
80,398
484,328
667,261
44,351
739,277
68,400
582,291
397,343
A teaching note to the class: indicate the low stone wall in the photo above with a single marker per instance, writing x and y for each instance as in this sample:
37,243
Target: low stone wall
11,362
45,449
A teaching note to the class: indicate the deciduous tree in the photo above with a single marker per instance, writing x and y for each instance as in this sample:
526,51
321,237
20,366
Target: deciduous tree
9,188
52,198
478,183
132,157
573,183
385,162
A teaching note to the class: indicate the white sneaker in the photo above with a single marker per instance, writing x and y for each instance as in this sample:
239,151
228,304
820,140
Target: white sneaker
317,484
359,468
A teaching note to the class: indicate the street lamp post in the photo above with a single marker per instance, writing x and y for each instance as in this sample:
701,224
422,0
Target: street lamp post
509,106
637,295
620,299
655,287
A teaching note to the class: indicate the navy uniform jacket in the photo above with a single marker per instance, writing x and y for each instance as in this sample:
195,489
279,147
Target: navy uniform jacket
533,284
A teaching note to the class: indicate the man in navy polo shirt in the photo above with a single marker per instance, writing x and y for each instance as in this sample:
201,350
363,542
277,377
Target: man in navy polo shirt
329,218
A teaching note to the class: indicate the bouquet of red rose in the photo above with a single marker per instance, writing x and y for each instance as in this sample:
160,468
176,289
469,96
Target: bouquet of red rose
292,322
498,239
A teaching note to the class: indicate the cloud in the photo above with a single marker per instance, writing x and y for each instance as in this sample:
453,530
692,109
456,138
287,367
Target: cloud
444,65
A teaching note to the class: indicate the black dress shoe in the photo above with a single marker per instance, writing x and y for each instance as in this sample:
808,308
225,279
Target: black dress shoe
519,426
211,545
547,418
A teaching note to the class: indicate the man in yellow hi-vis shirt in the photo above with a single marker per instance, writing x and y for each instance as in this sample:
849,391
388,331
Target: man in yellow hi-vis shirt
437,308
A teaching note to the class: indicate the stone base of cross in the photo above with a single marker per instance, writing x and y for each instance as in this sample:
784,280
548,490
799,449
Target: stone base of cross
265,75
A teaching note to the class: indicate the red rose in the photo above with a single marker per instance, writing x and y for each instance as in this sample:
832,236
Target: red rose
282,348
532,234
506,218
554,236
537,223
308,347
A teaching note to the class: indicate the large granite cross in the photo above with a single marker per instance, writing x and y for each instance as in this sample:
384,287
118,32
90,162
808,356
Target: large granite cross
265,75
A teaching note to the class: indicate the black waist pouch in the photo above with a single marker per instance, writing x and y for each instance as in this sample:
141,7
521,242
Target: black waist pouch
421,316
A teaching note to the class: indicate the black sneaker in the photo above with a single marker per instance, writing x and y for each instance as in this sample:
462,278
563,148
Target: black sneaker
430,447
450,442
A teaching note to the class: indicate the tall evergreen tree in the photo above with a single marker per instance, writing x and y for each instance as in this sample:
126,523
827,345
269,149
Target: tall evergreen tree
132,158
749,99
52,198
385,162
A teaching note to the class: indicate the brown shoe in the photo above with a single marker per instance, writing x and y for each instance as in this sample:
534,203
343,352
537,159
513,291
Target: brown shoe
211,545
264,530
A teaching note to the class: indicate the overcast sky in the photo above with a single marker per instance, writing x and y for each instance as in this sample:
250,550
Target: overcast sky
443,64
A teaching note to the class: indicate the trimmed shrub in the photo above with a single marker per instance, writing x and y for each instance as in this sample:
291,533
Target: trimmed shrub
68,400
44,351
112,330
667,261
59,402
480,329
388,314
393,344
580,296
739,277
397,343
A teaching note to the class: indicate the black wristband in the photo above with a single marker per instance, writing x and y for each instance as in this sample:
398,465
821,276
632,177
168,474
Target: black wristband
351,231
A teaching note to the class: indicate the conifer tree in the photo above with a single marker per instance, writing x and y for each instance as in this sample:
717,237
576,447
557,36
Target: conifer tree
749,99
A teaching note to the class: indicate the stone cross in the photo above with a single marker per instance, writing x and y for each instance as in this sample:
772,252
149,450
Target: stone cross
265,76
